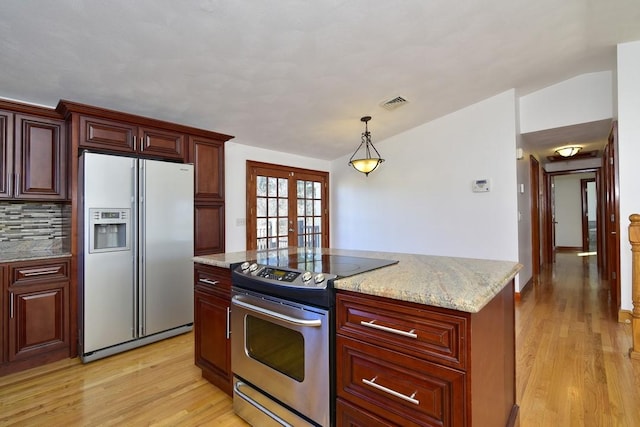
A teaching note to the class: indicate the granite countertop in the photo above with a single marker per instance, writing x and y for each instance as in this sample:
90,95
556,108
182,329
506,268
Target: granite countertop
462,284
32,255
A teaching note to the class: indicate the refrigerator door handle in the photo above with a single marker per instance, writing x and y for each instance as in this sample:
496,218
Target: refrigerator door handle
142,283
135,247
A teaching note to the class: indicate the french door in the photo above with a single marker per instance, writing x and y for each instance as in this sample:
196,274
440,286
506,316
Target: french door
286,207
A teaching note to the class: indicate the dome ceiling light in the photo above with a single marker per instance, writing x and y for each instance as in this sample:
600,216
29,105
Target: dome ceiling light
569,151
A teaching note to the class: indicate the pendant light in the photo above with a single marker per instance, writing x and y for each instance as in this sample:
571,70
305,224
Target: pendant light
368,163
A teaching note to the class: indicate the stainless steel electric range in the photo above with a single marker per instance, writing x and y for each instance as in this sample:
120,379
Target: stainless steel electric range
283,335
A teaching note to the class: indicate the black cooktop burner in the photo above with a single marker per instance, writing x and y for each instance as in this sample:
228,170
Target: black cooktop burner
340,265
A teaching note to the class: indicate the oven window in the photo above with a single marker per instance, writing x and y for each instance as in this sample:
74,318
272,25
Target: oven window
276,346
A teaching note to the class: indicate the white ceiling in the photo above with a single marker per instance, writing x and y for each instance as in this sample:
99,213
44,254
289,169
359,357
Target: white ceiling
295,75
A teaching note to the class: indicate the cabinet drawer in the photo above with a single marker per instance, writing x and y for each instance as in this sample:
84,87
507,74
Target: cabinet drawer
348,415
34,272
213,279
424,332
403,389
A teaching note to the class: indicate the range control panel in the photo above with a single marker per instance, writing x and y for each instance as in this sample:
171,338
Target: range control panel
284,276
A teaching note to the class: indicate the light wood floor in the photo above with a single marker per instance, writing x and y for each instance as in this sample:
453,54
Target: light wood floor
573,370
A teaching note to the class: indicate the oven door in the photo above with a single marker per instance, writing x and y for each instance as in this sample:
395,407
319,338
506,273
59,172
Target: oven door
282,349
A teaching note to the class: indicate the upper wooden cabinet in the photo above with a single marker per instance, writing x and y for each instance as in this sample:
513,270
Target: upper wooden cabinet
208,157
33,157
110,135
100,129
6,153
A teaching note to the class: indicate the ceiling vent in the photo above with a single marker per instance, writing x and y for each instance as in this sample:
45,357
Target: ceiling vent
394,103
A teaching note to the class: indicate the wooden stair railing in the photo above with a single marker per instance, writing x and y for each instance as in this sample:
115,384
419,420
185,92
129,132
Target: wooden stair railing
634,238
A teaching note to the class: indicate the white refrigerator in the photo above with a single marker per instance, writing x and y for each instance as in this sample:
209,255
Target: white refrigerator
136,269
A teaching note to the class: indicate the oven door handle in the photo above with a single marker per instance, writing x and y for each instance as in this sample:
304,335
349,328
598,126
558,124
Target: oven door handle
276,315
258,406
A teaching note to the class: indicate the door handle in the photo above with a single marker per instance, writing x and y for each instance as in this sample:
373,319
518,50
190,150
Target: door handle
372,324
275,315
258,406
372,383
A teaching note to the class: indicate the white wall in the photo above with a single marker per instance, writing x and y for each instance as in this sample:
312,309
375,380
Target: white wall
582,99
525,195
629,153
420,199
568,209
236,156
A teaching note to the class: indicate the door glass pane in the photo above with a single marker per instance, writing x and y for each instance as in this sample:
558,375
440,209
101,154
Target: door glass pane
272,212
309,211
283,187
261,186
272,188
261,206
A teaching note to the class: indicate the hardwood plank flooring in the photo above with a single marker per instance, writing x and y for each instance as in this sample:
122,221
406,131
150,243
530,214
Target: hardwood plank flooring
155,385
573,369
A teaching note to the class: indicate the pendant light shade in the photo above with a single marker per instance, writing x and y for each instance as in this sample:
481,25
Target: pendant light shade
362,159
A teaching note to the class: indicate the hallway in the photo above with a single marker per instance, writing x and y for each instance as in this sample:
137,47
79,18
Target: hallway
573,367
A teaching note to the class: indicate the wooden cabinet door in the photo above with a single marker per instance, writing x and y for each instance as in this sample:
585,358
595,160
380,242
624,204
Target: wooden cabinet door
162,143
107,135
38,320
211,334
4,315
207,155
6,154
40,158
212,303
208,228
121,137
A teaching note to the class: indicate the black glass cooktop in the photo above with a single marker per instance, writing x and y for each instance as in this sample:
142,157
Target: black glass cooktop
305,260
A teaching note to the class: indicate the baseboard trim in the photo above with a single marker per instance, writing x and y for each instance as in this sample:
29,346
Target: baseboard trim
524,289
624,316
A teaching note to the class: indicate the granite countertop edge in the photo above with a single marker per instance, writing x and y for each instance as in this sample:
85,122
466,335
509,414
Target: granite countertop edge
462,284
32,256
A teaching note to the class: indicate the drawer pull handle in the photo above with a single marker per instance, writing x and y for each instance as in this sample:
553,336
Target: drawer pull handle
372,324
41,272
209,282
372,383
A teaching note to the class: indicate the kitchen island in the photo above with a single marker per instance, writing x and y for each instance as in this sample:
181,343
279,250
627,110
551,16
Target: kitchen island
427,341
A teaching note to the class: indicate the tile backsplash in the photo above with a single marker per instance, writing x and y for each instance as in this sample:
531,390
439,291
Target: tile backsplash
35,226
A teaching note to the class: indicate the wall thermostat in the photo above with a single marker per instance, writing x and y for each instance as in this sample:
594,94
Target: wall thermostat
481,185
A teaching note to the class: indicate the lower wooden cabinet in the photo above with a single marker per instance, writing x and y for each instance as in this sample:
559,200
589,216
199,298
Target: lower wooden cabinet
406,364
349,415
403,389
36,315
212,304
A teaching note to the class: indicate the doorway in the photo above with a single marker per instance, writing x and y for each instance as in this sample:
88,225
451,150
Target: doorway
589,215
573,216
